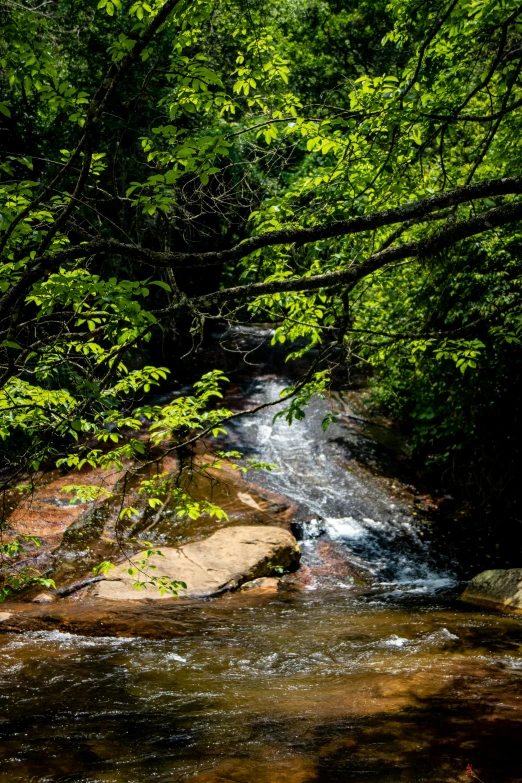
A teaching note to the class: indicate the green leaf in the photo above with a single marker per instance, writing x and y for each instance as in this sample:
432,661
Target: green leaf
161,284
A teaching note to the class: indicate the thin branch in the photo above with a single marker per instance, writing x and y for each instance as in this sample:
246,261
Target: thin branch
493,218
415,210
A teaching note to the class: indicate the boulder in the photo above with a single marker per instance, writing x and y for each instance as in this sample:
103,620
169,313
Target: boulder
498,589
221,562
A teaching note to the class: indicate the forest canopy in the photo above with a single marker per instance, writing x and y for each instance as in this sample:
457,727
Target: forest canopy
347,171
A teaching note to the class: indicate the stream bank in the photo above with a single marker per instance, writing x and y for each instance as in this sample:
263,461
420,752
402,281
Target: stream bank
364,665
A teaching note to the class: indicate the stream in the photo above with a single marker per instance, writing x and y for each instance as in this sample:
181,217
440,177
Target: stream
364,667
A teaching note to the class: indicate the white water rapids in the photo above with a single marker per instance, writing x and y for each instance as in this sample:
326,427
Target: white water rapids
380,534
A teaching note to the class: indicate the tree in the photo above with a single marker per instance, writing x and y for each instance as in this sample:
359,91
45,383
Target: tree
197,144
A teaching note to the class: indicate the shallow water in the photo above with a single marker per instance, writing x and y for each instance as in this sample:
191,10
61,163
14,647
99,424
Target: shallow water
365,669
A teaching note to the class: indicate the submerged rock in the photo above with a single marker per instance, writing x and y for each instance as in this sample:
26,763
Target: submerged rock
498,589
221,562
270,770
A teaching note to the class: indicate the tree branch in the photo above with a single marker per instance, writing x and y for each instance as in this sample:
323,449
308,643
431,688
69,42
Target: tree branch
494,218
415,210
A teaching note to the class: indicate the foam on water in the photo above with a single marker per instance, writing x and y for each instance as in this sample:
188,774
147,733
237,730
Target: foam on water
395,641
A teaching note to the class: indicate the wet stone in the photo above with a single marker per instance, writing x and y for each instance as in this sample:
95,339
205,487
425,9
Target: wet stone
499,589
306,529
263,583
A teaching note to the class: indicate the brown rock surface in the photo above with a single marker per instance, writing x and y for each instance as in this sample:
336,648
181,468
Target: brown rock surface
47,511
162,620
498,589
76,537
262,583
221,562
166,619
44,598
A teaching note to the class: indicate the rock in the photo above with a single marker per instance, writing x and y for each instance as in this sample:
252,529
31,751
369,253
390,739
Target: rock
48,513
77,536
148,619
44,598
221,562
308,528
498,589
248,500
262,583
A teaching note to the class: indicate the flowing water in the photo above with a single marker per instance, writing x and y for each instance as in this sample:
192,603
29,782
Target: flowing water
364,668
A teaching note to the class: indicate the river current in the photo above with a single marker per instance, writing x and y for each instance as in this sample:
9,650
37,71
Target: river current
368,669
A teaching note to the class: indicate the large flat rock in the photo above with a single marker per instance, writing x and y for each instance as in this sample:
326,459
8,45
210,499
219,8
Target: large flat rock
221,562
498,589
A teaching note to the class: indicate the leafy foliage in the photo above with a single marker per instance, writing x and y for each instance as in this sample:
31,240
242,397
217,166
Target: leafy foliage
351,175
